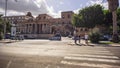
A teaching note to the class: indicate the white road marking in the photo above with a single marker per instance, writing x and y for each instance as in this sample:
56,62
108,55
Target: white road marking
92,59
90,64
96,53
8,65
98,56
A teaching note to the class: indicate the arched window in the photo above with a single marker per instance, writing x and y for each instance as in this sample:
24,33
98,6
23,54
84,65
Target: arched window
63,22
81,29
63,16
86,29
69,16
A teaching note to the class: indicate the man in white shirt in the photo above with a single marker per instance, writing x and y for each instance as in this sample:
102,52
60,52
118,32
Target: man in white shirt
86,38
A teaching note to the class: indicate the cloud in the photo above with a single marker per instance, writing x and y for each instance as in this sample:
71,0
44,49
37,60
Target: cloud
61,3
76,11
53,13
92,2
23,6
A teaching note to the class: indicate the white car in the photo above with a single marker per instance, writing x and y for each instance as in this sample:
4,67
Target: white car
56,37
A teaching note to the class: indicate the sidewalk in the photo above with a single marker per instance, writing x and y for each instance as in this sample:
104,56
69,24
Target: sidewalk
109,45
7,41
82,43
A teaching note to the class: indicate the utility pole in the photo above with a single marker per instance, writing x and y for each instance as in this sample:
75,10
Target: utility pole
5,19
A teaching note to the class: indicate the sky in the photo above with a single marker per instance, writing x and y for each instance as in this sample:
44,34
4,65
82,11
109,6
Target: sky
51,7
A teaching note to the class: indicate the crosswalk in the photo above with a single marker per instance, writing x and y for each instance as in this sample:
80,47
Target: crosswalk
92,59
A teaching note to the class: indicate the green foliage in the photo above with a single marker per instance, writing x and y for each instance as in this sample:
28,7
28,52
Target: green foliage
118,19
77,21
8,28
1,28
92,15
94,37
89,17
1,36
107,18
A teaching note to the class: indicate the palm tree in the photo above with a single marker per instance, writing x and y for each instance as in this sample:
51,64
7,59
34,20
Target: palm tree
113,5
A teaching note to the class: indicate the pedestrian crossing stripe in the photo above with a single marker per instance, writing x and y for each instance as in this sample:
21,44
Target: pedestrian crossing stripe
90,64
97,56
92,59
96,53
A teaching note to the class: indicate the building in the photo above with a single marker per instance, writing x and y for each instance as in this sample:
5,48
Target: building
43,26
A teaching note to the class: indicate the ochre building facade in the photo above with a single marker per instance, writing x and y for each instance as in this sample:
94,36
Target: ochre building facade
43,26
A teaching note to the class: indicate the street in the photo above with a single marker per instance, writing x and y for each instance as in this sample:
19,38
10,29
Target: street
57,54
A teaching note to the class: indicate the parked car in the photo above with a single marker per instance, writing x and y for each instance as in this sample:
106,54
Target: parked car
17,37
7,36
106,38
69,36
56,37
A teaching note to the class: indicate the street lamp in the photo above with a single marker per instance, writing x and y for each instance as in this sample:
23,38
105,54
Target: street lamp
6,1
5,19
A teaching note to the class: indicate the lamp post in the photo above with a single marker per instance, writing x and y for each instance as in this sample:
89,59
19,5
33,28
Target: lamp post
113,5
5,19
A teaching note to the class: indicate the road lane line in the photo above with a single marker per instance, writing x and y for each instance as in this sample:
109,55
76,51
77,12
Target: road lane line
90,64
98,56
92,59
8,65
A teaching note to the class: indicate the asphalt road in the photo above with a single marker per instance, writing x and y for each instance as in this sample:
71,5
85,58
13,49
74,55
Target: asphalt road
57,54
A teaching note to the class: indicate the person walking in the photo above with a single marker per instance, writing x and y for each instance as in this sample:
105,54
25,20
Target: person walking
79,38
86,38
75,36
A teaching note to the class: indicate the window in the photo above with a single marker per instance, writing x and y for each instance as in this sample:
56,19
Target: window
62,22
86,29
39,18
81,29
69,22
29,24
69,16
63,16
44,17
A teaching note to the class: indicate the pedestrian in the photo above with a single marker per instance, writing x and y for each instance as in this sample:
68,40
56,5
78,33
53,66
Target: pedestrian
75,36
75,39
86,38
79,38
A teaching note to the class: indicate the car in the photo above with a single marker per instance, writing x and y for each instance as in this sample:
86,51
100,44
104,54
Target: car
7,36
106,38
56,37
69,36
21,37
17,37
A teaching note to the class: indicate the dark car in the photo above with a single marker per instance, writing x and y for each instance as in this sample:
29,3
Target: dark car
106,38
7,36
56,37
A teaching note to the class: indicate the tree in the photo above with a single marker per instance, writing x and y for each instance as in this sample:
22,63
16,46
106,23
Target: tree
1,28
113,5
118,19
77,21
107,18
8,27
89,17
1,24
107,22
